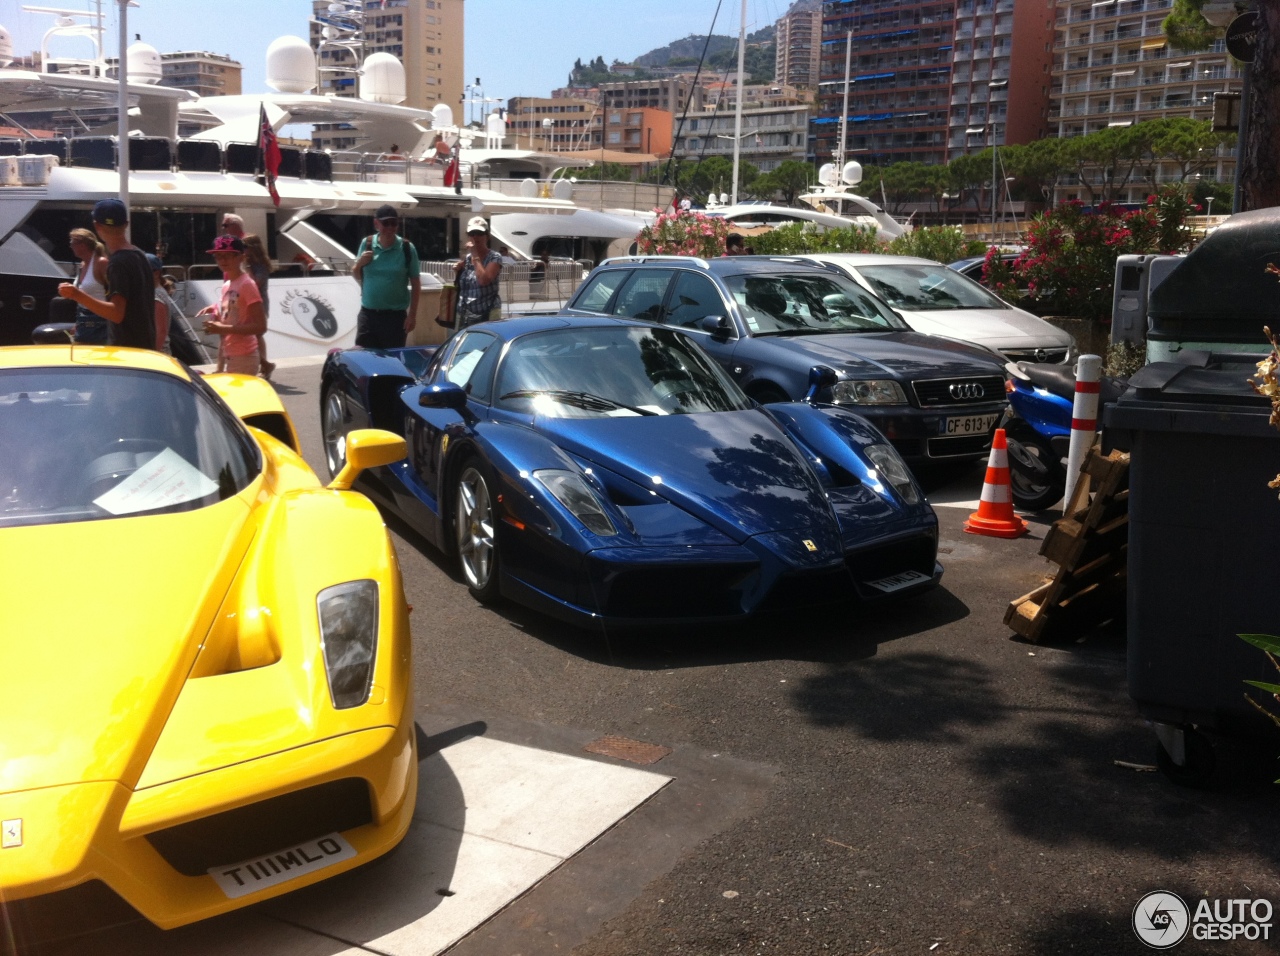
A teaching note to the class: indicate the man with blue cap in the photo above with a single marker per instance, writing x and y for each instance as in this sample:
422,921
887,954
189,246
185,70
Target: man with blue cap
129,305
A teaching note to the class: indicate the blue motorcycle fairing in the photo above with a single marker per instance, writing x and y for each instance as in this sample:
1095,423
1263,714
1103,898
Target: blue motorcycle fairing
1047,413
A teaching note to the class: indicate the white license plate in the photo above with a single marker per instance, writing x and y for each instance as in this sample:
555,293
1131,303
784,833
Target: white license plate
241,879
970,424
896,582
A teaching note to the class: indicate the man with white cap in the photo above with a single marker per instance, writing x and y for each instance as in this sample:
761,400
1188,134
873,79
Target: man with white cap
390,280
477,271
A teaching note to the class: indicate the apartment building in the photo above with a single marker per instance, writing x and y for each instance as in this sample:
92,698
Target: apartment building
775,126
574,124
1113,67
1000,78
899,79
798,45
671,95
205,74
638,130
425,35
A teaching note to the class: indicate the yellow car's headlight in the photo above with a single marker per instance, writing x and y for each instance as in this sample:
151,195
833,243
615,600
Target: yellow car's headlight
349,637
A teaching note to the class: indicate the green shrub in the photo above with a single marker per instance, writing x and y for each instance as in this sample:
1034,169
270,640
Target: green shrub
941,243
797,239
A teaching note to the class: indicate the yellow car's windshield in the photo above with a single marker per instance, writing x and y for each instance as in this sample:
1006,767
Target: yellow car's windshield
88,443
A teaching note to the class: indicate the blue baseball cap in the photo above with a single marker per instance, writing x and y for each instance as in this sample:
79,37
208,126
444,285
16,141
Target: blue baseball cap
110,212
153,260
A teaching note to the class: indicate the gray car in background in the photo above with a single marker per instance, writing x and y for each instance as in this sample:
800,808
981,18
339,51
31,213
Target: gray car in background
936,300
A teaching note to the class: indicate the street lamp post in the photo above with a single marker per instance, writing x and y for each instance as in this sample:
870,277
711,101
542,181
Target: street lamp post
991,125
1209,202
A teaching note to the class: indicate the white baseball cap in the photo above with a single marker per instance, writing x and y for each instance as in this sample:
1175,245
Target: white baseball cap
477,224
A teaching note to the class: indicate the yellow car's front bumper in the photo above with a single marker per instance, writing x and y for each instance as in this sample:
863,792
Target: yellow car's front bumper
146,838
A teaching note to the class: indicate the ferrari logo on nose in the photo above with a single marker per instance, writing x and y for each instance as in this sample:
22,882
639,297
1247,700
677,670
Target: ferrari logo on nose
810,545
11,833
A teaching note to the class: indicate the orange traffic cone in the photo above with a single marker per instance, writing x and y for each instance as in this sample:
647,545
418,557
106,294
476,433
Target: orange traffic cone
995,516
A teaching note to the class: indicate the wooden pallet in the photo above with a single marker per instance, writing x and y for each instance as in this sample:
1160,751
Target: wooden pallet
1090,545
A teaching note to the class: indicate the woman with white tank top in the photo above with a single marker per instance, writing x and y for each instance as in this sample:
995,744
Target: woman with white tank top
90,329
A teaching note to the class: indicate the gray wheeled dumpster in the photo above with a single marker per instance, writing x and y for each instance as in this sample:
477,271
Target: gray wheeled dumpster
1204,551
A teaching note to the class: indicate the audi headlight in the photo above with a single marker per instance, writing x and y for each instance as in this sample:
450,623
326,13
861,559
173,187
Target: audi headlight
571,490
869,392
893,470
349,637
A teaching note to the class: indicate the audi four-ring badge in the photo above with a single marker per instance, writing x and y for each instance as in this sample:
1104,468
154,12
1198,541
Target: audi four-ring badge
969,390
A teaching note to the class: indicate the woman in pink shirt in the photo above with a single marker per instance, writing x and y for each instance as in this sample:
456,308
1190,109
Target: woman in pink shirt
240,319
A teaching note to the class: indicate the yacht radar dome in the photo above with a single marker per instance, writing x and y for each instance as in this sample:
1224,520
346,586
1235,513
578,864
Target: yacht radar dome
6,48
441,116
144,64
827,174
382,79
291,65
852,173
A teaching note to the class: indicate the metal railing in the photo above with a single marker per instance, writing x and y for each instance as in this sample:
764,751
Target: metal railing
527,286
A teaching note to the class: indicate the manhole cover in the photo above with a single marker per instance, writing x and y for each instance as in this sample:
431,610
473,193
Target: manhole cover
622,748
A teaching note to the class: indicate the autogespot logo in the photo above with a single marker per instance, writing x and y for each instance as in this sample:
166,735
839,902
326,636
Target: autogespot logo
1161,919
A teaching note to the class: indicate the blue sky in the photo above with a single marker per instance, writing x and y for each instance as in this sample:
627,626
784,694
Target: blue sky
515,47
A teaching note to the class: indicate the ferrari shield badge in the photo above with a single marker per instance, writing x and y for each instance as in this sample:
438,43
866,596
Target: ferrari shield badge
11,833
810,545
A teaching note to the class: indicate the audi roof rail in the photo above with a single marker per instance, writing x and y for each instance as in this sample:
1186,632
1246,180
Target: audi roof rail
642,259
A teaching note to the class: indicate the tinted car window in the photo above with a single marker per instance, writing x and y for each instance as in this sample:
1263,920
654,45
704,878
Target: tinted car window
641,297
595,295
918,288
694,297
90,443
613,373
471,365
795,304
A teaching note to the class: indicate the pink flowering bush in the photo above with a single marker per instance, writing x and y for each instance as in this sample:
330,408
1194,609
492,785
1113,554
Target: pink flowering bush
684,233
1071,254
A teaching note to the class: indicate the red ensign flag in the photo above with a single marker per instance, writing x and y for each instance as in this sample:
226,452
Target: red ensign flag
270,152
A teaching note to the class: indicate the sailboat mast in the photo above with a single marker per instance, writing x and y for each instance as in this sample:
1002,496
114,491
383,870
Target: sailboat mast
737,112
838,158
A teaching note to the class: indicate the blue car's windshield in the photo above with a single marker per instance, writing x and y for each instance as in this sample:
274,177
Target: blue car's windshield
808,304
90,443
612,372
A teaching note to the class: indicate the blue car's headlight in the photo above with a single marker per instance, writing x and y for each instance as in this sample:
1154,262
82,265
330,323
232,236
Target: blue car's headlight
893,470
868,392
571,490
349,637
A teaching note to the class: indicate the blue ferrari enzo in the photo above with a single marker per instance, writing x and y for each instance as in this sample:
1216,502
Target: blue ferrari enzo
605,471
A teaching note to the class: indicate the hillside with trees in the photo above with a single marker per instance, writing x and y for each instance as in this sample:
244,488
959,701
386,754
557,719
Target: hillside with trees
683,54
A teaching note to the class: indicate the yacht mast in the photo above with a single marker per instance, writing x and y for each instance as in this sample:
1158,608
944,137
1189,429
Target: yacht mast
838,158
737,112
122,121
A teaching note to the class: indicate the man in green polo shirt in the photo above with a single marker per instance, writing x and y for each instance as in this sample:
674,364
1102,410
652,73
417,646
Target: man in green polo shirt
388,271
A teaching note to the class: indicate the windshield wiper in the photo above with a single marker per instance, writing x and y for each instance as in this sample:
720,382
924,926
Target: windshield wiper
812,331
594,403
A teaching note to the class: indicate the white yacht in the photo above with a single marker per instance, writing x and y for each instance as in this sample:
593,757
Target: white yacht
179,188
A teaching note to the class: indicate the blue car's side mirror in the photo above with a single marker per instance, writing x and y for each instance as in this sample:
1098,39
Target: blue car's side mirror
443,395
717,325
820,377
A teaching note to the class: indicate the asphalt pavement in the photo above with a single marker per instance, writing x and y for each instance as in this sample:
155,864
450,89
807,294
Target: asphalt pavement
904,779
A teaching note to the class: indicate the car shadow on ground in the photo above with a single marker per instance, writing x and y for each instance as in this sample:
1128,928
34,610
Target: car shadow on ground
844,632
1045,751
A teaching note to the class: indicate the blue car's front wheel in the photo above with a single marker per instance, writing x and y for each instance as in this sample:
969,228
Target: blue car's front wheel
476,533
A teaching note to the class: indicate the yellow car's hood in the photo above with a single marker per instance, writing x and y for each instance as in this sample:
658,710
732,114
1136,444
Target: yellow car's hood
99,630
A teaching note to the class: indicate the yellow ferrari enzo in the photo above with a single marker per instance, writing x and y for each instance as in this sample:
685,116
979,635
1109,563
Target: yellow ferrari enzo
205,691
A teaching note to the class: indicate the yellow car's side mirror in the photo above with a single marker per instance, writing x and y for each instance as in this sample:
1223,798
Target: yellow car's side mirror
368,448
